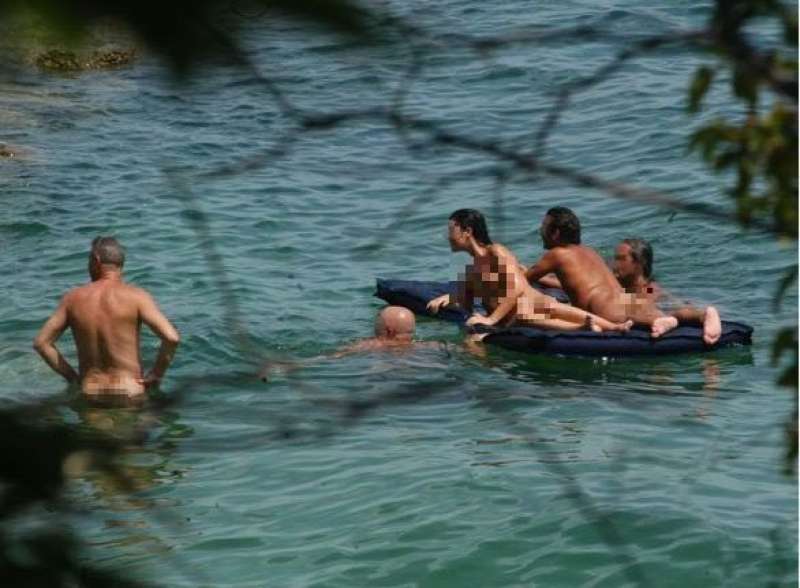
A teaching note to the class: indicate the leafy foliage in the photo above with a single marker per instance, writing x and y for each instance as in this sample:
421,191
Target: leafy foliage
762,149
39,456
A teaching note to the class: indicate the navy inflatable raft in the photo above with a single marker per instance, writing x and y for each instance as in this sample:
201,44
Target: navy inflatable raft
414,295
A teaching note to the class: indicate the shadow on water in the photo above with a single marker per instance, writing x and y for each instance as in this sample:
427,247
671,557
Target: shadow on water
128,501
149,437
666,375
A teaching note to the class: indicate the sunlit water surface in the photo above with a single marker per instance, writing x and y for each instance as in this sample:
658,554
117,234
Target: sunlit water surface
427,468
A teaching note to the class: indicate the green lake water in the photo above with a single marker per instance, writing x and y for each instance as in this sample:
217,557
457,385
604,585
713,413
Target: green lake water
430,468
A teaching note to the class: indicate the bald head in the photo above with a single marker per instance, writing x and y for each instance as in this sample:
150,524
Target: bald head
395,322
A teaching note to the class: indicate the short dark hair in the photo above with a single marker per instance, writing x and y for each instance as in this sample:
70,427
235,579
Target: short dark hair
108,251
568,225
642,253
469,218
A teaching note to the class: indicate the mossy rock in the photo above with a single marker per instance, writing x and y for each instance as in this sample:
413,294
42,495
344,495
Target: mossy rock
68,61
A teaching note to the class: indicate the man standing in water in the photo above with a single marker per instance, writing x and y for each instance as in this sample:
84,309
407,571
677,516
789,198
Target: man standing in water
105,317
586,278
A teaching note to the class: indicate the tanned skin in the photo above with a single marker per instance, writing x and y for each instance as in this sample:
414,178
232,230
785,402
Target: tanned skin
590,285
630,275
105,317
394,331
496,278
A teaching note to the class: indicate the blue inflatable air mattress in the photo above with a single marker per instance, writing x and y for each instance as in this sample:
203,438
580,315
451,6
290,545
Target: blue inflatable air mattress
414,295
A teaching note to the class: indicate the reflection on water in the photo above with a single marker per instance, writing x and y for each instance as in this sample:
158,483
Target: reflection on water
670,375
151,439
129,501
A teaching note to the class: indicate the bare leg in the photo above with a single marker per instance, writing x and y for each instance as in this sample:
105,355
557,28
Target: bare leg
708,318
601,325
552,324
540,307
644,312
712,326
557,316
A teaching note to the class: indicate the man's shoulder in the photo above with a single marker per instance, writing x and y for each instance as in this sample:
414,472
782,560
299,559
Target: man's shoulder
575,257
559,253
76,293
584,252
134,291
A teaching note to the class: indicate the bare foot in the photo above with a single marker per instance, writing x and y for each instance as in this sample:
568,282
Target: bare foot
602,325
662,325
619,327
712,326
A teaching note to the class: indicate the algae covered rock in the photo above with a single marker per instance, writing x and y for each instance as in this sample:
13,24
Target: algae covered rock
69,61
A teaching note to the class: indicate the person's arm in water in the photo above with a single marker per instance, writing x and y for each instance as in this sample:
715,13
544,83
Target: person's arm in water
269,368
158,323
44,343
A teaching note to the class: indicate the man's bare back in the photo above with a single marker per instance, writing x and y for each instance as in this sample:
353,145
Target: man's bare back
105,317
587,279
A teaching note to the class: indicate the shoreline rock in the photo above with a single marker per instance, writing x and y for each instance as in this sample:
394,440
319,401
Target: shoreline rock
57,60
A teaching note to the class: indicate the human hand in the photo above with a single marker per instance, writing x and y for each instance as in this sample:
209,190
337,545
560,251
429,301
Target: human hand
437,303
479,319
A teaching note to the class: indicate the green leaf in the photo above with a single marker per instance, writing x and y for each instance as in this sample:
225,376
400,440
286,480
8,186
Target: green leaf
705,140
790,27
726,159
789,277
745,86
699,86
786,339
789,376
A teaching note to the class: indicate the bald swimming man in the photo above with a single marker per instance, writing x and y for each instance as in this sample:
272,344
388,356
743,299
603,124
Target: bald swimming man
394,331
105,317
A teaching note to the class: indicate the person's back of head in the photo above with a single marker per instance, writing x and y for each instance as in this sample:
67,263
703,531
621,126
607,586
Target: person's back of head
563,220
395,322
642,253
108,251
469,218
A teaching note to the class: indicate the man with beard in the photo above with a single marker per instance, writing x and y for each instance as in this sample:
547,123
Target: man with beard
586,278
